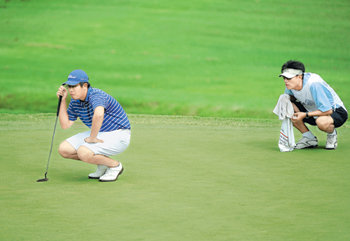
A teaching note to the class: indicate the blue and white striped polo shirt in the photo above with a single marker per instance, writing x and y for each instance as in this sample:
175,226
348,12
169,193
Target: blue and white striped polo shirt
114,117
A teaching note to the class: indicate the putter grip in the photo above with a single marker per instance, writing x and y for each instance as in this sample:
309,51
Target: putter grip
59,105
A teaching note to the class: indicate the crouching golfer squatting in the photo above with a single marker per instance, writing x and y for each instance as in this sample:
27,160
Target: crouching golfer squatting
109,124
315,103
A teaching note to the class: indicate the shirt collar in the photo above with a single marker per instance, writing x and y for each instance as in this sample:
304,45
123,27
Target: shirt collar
88,94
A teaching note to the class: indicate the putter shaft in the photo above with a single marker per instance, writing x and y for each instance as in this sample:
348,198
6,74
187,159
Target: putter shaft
53,136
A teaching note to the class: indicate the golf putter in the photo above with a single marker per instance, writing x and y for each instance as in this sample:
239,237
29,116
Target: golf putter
53,136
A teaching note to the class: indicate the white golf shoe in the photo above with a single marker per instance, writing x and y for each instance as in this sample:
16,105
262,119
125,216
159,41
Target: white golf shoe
112,173
306,143
101,169
332,142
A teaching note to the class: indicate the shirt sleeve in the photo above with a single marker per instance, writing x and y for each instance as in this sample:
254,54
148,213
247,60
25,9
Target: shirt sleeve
97,100
322,96
71,112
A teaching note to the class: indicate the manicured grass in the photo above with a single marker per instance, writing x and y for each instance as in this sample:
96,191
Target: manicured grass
186,178
196,57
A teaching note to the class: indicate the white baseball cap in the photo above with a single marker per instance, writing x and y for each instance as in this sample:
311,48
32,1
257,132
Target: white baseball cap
290,73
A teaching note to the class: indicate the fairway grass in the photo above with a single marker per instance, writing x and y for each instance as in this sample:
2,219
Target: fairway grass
194,57
185,178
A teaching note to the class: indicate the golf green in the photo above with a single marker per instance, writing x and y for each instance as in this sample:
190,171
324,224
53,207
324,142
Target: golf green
185,178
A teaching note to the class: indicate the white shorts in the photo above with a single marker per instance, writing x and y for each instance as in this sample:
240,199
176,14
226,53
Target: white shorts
114,142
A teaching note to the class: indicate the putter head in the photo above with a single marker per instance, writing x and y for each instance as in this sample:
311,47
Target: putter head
43,180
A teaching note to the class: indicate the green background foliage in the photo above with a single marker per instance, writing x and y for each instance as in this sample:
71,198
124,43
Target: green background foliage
206,58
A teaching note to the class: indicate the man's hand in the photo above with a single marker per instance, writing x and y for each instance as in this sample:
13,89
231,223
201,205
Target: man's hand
62,92
298,116
92,140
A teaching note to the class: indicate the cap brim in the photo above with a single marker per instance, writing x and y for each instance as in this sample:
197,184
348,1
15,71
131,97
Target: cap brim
287,75
290,73
71,82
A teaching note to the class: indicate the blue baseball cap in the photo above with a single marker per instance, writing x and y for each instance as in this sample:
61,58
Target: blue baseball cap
77,76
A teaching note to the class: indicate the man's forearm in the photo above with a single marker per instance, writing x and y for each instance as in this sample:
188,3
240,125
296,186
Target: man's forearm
320,113
97,121
63,115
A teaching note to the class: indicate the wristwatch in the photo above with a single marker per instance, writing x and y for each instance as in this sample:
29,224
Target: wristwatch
307,114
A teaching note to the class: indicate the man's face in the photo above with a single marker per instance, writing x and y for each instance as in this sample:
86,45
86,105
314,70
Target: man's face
77,92
295,83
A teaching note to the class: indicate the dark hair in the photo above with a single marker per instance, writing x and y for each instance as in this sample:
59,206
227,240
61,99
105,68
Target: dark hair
293,64
82,84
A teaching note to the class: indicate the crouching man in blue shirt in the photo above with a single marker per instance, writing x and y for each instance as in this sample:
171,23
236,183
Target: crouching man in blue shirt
315,103
109,124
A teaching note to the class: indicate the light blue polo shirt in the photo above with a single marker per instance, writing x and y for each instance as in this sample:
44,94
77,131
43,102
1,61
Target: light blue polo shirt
316,94
114,117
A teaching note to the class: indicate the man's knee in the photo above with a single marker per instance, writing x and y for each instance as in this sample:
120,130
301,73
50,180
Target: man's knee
66,150
325,123
84,153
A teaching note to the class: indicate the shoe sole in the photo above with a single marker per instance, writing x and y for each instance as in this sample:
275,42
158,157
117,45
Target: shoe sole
120,173
308,147
94,177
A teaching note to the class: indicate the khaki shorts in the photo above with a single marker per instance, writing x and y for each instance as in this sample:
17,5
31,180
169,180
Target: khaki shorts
114,142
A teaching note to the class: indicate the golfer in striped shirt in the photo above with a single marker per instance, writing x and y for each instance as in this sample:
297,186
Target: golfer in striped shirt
109,132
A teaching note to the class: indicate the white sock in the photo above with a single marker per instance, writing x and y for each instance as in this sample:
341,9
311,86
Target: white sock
308,135
333,133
